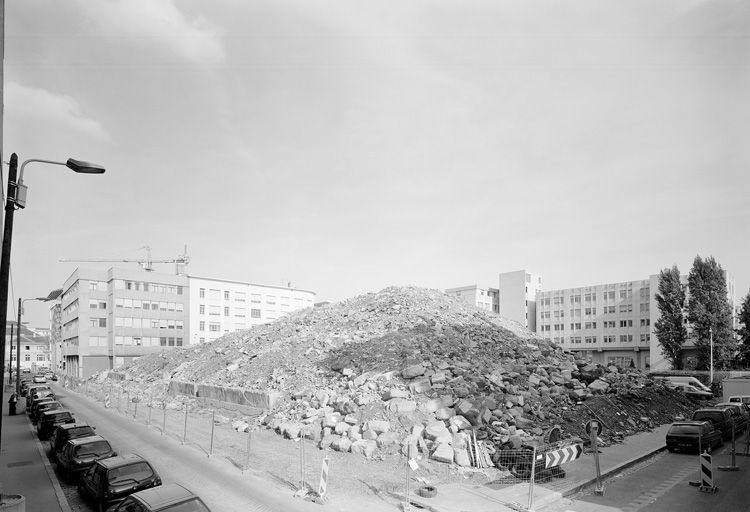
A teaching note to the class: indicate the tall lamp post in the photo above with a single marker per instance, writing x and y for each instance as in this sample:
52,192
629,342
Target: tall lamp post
17,199
52,296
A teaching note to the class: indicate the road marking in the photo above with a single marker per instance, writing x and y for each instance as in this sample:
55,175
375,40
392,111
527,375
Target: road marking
658,491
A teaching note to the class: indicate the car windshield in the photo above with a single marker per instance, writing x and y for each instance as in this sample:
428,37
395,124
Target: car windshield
684,429
192,505
137,471
58,417
95,448
714,415
79,432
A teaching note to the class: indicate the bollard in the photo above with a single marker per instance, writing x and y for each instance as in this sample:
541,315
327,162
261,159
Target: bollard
184,430
323,479
733,467
211,446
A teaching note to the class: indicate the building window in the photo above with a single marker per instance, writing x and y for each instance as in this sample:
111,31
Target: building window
214,310
214,327
202,293
202,326
226,310
645,322
202,309
226,295
255,313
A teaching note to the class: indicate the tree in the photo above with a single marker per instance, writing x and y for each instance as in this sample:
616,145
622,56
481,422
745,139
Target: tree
710,313
744,330
670,328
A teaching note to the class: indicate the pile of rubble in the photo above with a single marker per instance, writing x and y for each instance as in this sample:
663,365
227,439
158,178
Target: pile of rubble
413,369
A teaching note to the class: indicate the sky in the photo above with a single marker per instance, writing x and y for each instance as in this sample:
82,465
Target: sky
346,146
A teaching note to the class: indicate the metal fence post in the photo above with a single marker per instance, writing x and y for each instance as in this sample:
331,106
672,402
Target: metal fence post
531,480
127,401
247,458
211,446
407,490
135,409
184,430
150,407
164,418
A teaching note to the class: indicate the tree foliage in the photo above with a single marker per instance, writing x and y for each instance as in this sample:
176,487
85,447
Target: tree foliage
744,330
670,328
710,313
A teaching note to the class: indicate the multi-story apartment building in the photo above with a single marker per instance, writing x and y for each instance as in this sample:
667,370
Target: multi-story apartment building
609,323
35,347
220,306
517,296
514,298
109,317
483,298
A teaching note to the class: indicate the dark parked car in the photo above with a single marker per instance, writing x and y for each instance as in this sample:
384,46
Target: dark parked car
740,422
65,432
721,419
687,435
78,455
34,388
32,405
112,480
50,419
44,407
165,498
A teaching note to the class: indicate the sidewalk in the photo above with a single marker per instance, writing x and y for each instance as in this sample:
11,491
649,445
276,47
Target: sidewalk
24,468
578,474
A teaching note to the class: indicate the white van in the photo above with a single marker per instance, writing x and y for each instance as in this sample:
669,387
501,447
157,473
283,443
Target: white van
678,380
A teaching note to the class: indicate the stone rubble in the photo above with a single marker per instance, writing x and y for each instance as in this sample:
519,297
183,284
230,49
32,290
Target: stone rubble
413,369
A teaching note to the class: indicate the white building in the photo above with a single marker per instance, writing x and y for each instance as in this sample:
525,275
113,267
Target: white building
220,306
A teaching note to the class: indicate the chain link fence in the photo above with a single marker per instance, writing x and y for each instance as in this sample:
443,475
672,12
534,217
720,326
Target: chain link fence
208,428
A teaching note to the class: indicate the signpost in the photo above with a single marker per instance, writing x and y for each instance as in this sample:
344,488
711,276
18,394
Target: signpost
593,430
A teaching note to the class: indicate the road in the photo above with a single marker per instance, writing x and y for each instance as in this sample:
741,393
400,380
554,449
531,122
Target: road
662,484
218,483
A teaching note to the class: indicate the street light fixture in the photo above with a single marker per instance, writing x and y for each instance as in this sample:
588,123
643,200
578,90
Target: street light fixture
52,296
17,199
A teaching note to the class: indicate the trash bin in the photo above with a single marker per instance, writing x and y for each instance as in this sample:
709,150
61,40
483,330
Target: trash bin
12,401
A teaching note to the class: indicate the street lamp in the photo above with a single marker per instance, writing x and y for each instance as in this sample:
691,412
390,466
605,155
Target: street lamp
17,199
52,296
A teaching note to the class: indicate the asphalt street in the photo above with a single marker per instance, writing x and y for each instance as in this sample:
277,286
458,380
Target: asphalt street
220,484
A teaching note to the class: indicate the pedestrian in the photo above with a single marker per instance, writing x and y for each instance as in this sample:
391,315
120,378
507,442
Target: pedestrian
12,401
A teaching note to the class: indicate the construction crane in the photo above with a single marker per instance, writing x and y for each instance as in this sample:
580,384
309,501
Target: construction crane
147,264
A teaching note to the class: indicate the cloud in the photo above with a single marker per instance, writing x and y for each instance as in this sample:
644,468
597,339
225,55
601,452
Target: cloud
34,103
146,20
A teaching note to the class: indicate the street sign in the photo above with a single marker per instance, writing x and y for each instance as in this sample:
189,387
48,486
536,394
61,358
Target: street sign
562,455
594,424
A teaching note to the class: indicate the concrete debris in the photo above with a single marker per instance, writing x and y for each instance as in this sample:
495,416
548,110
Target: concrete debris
411,368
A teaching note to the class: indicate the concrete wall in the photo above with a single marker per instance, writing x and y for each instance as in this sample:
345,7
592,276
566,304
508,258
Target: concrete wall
236,396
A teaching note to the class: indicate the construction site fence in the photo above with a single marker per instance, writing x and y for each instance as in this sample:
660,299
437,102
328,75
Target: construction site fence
206,426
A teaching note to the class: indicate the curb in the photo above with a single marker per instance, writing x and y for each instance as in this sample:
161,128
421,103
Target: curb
616,469
61,499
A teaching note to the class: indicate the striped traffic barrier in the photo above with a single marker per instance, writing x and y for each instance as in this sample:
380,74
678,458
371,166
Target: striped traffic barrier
562,455
323,478
707,474
106,401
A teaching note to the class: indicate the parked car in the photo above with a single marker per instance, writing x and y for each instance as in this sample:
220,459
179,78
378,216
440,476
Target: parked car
32,405
740,421
689,435
682,380
78,455
33,388
111,480
41,393
165,498
740,399
693,392
54,378
65,432
50,419
43,407
40,378
721,419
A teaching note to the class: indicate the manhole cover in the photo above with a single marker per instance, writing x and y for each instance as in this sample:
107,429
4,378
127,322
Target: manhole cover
21,463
